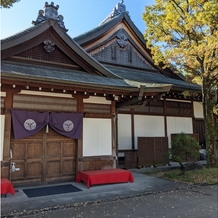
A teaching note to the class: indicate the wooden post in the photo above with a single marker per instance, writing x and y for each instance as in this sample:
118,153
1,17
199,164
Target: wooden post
79,155
8,105
165,116
114,131
132,129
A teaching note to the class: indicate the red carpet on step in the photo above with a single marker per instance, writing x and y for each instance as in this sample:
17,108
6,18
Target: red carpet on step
108,176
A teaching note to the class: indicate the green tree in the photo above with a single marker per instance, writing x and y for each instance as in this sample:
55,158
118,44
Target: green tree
185,33
183,147
8,3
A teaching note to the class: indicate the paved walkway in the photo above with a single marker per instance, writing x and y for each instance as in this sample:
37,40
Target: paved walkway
20,204
189,202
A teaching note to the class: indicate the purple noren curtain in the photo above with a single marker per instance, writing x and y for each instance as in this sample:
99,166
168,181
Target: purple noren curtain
67,124
27,123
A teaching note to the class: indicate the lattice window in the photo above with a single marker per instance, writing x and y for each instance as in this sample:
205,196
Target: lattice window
185,108
44,103
179,108
154,107
142,109
39,53
172,107
124,109
157,107
108,53
97,108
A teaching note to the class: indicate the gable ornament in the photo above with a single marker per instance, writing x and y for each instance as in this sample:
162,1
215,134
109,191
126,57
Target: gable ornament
49,46
122,40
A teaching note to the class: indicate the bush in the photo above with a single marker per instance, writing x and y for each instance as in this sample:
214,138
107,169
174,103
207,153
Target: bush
184,146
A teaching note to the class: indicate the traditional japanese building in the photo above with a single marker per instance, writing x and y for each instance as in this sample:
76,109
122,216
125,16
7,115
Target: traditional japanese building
90,102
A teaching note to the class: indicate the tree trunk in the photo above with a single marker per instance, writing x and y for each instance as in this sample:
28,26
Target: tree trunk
210,125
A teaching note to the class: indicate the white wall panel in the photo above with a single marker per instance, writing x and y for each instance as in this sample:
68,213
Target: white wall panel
148,126
2,120
124,132
198,110
178,125
96,100
2,94
188,101
139,126
97,137
90,141
104,137
40,93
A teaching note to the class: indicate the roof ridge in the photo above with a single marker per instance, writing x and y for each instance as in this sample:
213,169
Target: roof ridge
119,9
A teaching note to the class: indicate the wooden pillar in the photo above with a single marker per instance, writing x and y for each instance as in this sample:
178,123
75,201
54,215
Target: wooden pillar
8,105
132,129
193,115
165,116
79,155
114,133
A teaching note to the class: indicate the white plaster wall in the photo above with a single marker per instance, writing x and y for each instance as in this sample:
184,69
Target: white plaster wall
180,100
40,93
2,120
124,132
198,110
96,100
3,94
178,125
148,126
97,137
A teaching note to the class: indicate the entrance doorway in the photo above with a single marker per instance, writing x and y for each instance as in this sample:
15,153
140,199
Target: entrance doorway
44,158
199,129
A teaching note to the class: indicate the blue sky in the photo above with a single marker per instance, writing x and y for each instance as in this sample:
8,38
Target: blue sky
80,16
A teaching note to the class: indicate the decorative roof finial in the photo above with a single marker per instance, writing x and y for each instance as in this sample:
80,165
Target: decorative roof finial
50,12
119,9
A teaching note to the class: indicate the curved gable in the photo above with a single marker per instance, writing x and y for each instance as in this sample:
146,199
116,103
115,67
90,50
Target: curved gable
48,39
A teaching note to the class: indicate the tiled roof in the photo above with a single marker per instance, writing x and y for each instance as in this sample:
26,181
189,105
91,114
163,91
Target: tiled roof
106,26
75,77
21,33
92,31
150,77
54,74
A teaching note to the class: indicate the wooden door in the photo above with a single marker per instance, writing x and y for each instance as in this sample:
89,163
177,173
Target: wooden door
199,129
43,158
152,151
60,153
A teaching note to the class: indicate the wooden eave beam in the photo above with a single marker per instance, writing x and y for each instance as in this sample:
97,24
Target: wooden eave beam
134,100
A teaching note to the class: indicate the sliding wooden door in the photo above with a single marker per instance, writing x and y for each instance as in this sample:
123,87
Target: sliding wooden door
44,158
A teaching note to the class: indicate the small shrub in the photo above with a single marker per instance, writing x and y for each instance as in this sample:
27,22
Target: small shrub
184,146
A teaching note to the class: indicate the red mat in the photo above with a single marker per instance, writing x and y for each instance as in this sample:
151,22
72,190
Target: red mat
108,176
6,187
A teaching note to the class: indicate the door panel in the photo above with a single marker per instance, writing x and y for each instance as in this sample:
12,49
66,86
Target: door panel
34,169
60,157
44,158
199,129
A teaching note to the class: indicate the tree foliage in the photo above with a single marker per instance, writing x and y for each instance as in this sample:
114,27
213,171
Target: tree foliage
8,3
182,147
185,33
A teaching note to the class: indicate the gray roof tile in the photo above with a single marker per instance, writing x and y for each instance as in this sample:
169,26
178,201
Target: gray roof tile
21,33
150,77
53,74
